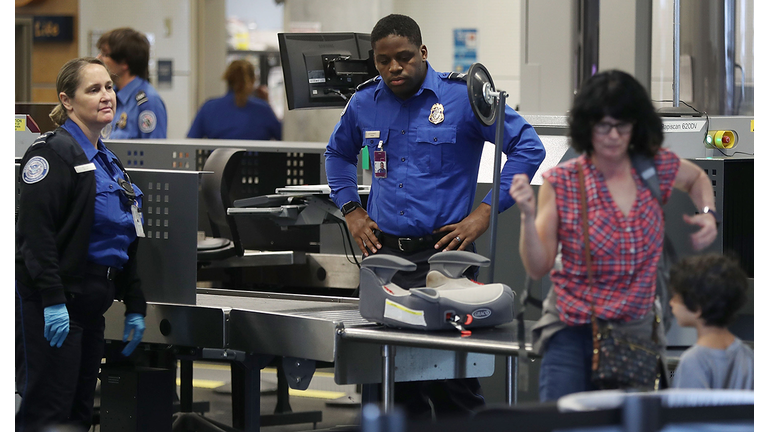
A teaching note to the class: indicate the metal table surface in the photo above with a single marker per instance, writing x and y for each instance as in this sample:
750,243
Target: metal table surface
302,326
333,318
327,329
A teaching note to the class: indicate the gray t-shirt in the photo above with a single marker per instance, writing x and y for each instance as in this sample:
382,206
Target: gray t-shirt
710,368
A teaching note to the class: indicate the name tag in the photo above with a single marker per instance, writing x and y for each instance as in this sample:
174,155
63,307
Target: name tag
85,168
372,134
136,214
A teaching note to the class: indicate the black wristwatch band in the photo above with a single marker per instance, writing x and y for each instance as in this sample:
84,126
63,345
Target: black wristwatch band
349,207
710,210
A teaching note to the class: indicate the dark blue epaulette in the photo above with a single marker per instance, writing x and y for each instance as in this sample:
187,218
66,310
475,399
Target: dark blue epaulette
42,138
454,76
369,82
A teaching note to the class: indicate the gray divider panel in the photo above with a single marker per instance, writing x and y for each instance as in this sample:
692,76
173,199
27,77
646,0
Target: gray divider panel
168,255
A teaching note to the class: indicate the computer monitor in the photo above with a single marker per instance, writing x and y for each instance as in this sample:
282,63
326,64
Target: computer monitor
322,70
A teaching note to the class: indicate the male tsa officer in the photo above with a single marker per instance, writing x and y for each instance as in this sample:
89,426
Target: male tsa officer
426,144
140,111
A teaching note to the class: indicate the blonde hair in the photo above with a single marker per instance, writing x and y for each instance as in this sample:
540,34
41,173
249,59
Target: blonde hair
68,81
240,76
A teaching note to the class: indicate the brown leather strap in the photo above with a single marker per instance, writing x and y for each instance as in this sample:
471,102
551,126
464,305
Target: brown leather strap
588,259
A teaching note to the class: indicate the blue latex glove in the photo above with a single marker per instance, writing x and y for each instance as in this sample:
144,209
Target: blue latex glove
56,324
133,323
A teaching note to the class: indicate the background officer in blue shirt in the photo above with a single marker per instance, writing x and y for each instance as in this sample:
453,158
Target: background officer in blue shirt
420,124
237,114
140,111
76,239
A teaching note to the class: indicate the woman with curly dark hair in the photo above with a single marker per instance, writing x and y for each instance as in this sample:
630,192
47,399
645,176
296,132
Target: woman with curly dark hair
612,121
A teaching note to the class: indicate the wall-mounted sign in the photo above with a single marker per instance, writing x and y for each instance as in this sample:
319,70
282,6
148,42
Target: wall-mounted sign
464,49
53,28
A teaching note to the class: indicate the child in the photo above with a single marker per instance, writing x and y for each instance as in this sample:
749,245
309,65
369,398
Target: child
707,291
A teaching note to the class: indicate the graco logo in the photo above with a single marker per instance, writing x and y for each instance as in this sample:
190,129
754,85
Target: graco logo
481,313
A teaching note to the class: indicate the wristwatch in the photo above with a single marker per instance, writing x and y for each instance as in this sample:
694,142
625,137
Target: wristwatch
349,207
710,210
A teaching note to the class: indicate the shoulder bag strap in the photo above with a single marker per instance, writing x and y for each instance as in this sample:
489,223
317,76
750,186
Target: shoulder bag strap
646,169
588,259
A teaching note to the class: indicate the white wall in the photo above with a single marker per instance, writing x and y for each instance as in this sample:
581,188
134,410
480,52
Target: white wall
498,35
548,55
174,25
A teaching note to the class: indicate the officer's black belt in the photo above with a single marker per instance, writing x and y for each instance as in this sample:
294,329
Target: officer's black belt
409,244
101,270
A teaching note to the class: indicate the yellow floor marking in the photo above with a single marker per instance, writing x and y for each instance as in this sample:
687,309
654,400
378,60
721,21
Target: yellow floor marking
201,383
309,393
316,394
212,366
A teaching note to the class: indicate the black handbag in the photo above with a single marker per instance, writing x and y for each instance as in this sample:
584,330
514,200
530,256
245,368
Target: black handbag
624,361
620,360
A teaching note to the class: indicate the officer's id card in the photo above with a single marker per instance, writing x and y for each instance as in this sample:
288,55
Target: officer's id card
380,162
136,213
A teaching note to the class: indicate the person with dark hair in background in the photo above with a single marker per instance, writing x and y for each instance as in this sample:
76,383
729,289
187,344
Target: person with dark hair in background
611,121
237,114
419,126
76,239
707,292
140,112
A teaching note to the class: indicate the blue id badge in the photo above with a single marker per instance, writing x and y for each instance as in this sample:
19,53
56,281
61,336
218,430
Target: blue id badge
380,162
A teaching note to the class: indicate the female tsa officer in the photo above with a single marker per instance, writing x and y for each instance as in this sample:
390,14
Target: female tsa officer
76,237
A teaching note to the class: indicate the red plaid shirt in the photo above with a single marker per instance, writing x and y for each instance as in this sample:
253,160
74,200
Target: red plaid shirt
625,250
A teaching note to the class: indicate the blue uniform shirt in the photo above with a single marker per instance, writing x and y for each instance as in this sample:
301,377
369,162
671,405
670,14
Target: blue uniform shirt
140,113
113,230
432,167
220,118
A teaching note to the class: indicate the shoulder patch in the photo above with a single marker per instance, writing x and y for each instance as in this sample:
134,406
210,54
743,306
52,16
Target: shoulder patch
147,121
457,76
141,97
367,83
35,170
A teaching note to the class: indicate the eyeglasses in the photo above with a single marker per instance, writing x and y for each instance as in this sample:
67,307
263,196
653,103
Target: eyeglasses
604,128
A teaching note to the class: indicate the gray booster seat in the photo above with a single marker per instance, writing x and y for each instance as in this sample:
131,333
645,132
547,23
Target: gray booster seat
449,300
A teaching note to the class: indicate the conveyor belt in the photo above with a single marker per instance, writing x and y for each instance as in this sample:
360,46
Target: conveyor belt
334,309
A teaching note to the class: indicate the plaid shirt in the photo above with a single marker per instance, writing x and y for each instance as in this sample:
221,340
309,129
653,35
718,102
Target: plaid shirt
625,250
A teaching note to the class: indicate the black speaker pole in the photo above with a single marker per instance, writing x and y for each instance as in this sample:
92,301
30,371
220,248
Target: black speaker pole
489,105
501,101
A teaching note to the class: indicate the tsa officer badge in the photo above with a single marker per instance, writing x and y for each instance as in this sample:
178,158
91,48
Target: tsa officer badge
436,116
123,120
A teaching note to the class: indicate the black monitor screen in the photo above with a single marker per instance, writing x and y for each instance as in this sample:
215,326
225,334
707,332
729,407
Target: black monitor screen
322,70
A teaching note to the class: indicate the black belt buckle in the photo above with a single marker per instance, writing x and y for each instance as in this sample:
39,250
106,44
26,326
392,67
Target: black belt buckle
400,241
